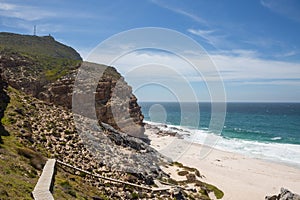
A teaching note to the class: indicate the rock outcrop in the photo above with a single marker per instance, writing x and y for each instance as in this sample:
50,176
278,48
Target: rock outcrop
285,194
113,100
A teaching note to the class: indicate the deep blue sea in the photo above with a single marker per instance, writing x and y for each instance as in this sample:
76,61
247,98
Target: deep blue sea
262,130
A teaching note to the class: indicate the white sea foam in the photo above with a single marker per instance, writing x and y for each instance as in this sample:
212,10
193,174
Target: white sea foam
278,152
276,138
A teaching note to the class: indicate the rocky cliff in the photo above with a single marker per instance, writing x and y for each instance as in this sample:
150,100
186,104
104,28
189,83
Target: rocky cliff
39,87
114,102
50,75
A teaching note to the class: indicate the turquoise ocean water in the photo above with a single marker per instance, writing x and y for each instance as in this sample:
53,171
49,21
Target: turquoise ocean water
261,130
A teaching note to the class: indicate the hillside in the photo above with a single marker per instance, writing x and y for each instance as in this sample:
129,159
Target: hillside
41,58
36,88
37,46
21,162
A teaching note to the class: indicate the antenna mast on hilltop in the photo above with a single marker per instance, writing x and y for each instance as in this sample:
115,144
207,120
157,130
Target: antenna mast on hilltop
34,30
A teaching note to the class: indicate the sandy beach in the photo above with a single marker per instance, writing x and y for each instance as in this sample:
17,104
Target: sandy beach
238,176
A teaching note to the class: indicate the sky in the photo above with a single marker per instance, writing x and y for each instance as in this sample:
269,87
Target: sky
254,44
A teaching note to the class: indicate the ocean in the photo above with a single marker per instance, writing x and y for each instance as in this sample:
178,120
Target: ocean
268,131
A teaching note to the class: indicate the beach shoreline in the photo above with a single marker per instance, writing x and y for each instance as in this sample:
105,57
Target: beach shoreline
237,175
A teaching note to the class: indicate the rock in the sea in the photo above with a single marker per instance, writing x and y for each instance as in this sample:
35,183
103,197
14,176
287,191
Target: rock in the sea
285,194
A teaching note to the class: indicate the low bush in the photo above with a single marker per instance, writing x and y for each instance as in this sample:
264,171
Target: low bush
183,173
36,159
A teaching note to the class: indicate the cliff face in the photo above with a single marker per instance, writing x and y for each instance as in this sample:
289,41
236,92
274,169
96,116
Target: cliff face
50,75
113,99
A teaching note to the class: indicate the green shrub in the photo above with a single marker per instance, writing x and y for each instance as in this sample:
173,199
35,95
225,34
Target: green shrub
134,195
183,173
72,193
218,193
36,159
197,173
82,174
211,188
172,181
7,121
67,187
177,164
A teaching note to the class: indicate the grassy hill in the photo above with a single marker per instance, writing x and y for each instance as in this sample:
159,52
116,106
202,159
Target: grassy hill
47,58
35,45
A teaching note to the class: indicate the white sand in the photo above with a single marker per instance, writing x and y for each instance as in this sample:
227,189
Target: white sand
238,176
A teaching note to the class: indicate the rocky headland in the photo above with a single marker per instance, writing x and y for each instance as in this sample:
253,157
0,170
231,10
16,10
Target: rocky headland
37,78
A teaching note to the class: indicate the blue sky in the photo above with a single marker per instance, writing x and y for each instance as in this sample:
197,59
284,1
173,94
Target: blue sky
255,43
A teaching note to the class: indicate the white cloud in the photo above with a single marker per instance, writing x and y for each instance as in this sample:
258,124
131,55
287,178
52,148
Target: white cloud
290,53
244,75
33,13
180,11
234,66
7,6
239,53
24,12
270,82
286,8
244,68
211,37
205,34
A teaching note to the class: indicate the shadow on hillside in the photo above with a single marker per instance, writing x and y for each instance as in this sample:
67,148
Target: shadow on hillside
4,100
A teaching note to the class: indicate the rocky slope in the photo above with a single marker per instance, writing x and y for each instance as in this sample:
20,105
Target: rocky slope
39,129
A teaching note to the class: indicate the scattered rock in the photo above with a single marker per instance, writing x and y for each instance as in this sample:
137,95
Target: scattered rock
285,194
178,195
